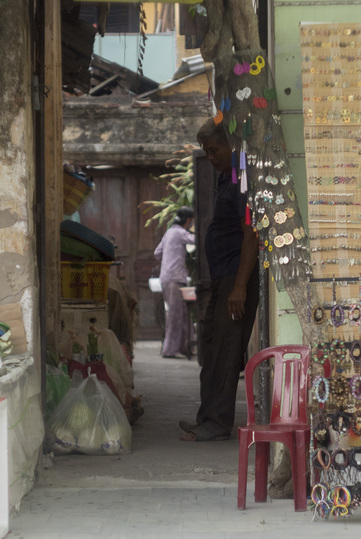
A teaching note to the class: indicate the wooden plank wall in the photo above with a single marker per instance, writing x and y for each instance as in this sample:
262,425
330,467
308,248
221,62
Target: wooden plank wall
113,211
53,166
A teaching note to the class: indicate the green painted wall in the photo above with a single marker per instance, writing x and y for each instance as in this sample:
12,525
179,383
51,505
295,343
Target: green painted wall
285,328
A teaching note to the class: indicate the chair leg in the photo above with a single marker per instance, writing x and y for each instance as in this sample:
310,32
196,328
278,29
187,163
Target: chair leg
242,469
262,460
299,471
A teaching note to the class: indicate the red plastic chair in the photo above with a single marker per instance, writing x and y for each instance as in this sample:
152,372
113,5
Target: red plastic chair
288,422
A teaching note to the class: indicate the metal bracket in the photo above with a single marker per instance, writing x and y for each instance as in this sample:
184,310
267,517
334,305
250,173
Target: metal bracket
282,312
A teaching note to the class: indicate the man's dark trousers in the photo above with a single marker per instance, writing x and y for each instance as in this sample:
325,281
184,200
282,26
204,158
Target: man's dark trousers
224,345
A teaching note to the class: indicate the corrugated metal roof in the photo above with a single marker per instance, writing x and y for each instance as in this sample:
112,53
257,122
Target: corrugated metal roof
106,75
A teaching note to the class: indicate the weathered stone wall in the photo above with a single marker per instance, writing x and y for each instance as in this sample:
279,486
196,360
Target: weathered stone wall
17,239
17,182
105,131
19,282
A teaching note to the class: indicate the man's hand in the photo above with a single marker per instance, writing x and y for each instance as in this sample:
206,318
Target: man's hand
236,302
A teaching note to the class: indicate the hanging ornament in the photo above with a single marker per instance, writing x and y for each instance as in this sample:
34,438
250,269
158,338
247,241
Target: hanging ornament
354,314
232,126
239,69
260,102
280,217
270,93
243,94
243,168
244,184
290,212
234,166
247,219
355,355
265,221
257,65
218,118
247,128
227,104
319,314
272,233
337,315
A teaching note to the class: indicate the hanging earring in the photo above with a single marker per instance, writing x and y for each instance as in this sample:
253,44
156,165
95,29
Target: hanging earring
221,105
234,166
247,219
227,104
232,126
243,168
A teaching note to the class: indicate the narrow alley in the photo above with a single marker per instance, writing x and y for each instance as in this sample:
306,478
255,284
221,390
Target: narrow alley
166,488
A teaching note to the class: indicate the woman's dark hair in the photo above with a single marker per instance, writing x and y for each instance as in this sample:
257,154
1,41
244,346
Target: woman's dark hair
210,130
182,215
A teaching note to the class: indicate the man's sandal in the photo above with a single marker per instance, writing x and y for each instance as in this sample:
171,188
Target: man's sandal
201,434
187,426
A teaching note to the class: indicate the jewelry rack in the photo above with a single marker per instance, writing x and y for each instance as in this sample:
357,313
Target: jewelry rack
331,81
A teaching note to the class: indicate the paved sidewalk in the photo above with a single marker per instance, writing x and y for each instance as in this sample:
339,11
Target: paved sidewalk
172,512
164,489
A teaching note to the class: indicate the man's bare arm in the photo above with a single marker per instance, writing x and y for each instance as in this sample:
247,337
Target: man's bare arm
249,255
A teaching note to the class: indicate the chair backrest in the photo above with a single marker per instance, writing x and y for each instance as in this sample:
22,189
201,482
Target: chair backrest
289,399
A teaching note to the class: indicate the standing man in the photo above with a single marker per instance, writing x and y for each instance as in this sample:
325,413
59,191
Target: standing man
173,275
232,253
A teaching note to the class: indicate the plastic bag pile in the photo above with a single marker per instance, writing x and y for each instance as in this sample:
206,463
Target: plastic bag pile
91,407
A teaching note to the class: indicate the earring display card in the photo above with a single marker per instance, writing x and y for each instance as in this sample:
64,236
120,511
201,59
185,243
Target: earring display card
331,81
331,88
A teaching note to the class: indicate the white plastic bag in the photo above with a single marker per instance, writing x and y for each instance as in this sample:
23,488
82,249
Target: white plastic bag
114,355
89,420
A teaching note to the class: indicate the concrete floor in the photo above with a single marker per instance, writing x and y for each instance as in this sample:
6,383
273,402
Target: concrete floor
170,391
165,488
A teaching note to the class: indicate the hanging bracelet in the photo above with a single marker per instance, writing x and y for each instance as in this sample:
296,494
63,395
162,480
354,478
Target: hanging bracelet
336,463
337,315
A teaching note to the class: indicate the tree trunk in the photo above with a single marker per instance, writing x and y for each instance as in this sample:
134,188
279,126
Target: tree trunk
230,47
239,32
215,12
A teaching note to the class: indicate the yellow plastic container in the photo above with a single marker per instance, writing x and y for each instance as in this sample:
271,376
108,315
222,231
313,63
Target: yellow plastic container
88,282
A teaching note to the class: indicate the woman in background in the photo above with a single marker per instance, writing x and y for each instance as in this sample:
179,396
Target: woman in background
171,252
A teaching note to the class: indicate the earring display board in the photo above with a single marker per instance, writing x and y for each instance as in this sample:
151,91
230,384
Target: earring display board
331,81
